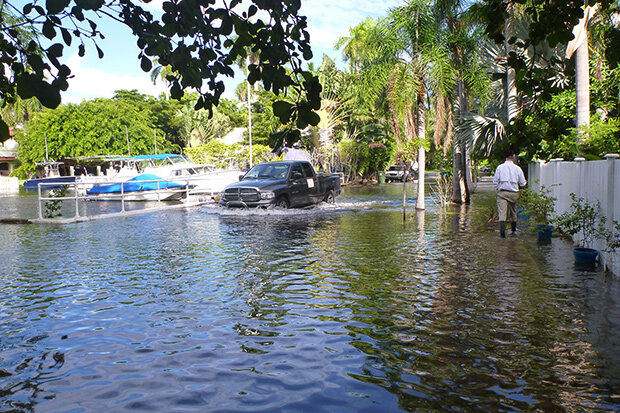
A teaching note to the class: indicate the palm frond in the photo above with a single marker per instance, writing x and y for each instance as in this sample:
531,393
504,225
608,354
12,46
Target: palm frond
479,133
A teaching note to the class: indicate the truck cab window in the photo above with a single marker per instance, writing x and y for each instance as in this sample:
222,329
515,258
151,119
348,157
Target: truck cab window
307,170
296,168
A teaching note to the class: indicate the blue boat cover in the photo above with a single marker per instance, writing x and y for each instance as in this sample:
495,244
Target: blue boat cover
159,156
60,180
135,184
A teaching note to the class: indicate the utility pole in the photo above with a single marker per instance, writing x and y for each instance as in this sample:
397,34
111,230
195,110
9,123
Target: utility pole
127,136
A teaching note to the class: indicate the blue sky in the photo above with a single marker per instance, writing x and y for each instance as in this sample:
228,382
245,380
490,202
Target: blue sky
119,69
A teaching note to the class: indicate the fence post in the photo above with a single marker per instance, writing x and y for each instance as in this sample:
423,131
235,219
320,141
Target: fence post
610,216
556,177
579,161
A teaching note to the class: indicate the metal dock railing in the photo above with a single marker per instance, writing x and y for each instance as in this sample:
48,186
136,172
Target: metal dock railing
51,202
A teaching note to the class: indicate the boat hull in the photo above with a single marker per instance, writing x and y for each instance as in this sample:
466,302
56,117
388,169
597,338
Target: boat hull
49,183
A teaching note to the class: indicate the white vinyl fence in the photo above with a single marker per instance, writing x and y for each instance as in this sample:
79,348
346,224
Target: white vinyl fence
597,182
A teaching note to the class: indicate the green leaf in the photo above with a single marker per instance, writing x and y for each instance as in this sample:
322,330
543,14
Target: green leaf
55,50
4,130
48,95
48,30
145,64
26,85
283,110
56,6
66,36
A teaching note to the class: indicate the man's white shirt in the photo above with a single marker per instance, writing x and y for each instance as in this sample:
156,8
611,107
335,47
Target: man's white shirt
509,177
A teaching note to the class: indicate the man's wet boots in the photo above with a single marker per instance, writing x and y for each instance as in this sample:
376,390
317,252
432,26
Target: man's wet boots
513,227
502,229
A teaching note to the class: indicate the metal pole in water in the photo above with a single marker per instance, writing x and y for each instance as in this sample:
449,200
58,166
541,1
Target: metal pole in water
40,208
77,205
158,194
405,201
122,197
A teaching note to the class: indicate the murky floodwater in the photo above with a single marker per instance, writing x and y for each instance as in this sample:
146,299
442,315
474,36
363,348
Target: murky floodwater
335,309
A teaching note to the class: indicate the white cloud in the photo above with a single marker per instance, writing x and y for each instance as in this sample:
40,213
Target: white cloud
90,83
329,20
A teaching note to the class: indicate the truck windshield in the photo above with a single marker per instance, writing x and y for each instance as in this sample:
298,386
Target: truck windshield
273,171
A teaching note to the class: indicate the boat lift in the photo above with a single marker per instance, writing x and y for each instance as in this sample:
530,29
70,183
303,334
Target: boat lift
79,194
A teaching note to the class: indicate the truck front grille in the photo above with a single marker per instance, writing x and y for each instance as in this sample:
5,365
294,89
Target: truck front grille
242,194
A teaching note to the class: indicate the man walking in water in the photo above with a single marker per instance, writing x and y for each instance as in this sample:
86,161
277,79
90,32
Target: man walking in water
508,178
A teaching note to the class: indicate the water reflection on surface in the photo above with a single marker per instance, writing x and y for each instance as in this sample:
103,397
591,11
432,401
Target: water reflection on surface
335,309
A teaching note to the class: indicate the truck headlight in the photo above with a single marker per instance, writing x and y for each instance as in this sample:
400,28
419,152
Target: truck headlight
267,195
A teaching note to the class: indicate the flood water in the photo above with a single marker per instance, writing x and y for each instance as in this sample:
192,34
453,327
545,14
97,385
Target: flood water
332,309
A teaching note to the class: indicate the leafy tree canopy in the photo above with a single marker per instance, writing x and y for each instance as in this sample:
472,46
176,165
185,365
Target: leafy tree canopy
199,40
97,127
550,24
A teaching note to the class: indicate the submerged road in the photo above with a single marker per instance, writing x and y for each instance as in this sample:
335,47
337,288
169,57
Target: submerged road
341,308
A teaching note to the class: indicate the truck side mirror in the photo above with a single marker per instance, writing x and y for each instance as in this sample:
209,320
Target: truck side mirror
241,177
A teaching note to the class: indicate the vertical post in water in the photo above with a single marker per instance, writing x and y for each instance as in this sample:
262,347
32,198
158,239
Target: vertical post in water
405,200
40,207
122,197
77,205
158,194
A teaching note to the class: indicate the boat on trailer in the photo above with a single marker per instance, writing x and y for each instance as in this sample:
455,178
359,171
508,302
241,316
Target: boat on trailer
144,187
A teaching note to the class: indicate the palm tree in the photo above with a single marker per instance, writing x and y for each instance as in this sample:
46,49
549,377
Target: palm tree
355,46
580,47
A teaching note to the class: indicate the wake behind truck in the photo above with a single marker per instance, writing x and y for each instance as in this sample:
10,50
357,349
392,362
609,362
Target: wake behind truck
284,184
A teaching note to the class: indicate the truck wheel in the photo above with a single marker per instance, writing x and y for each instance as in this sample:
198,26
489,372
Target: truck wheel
330,198
282,203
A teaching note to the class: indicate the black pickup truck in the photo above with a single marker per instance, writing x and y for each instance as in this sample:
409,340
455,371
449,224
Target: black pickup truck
286,184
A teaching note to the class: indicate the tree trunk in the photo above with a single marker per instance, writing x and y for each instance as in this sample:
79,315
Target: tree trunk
460,189
511,87
582,80
421,132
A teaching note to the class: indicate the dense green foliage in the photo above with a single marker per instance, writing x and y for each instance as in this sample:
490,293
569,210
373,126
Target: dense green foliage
424,76
99,127
229,156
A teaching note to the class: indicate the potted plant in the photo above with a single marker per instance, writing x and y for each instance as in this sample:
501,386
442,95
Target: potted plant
539,206
583,219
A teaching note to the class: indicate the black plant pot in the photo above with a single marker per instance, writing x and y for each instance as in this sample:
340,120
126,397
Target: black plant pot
585,256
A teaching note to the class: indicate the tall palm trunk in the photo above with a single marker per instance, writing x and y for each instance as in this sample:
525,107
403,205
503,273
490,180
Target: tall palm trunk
421,132
460,189
582,80
511,87
579,46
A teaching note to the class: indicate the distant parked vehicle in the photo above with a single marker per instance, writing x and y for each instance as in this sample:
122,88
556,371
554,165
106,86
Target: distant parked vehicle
286,184
396,173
